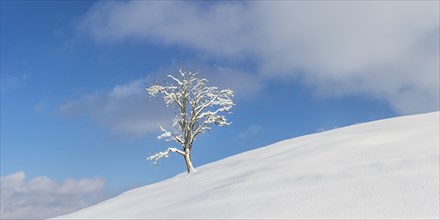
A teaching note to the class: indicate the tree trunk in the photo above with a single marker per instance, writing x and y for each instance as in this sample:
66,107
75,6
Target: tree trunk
187,156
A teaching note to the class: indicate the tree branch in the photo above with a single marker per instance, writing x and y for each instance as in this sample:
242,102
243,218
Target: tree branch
156,157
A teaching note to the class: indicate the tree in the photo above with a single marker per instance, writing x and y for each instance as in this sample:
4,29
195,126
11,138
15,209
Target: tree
198,108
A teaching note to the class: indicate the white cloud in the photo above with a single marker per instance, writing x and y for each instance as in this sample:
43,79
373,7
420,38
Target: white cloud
41,197
245,85
125,109
251,131
388,50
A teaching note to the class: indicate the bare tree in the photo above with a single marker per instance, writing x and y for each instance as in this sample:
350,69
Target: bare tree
198,108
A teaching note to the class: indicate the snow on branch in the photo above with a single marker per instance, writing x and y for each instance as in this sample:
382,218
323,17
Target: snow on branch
156,157
199,107
168,136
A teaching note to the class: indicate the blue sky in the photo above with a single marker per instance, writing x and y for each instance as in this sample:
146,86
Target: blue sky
73,74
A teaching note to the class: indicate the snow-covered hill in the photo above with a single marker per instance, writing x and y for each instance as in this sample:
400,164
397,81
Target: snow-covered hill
380,169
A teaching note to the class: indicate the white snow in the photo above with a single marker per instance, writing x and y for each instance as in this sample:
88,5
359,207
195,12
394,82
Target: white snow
381,169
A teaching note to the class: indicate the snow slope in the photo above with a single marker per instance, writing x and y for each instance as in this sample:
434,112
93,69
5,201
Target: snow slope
381,169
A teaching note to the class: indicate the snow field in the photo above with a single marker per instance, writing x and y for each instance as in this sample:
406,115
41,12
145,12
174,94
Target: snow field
381,169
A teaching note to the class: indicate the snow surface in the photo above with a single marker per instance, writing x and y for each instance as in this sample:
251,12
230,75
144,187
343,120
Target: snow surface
381,169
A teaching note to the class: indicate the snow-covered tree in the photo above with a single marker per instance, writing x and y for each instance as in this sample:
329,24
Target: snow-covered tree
198,107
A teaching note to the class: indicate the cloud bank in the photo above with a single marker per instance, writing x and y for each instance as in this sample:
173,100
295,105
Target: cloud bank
386,50
125,109
41,197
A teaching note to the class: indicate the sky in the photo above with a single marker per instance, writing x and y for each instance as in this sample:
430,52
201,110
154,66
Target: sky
77,124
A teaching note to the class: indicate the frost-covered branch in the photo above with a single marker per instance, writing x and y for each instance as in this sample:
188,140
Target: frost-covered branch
199,107
168,136
156,157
